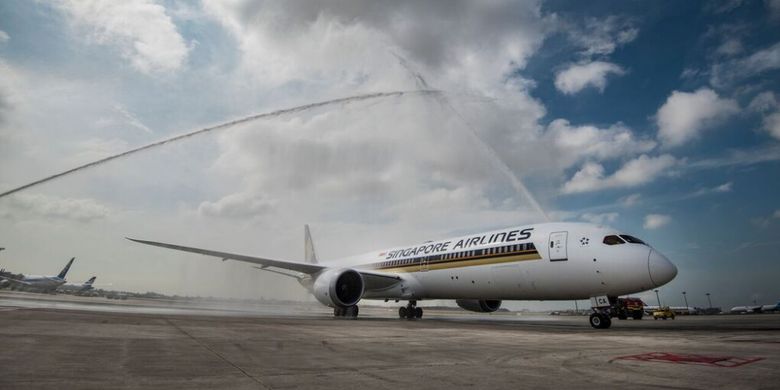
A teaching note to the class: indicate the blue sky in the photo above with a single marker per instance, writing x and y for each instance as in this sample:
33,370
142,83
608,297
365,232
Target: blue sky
658,118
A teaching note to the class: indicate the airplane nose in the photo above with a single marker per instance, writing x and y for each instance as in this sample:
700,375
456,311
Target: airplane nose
662,270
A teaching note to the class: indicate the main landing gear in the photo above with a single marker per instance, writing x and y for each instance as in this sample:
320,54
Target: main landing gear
410,311
350,312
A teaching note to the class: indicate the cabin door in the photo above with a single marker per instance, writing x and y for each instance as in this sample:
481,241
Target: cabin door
557,246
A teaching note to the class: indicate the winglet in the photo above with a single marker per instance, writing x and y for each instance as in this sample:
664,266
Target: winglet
310,254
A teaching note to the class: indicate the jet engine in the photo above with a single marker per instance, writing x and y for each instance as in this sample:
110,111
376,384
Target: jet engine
479,305
339,287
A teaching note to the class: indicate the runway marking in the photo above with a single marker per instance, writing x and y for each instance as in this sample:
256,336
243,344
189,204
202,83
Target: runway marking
715,361
217,354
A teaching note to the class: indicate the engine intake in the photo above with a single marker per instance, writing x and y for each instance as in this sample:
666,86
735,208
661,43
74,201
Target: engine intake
479,305
339,288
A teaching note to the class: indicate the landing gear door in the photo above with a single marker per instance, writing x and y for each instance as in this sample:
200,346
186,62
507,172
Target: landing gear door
558,246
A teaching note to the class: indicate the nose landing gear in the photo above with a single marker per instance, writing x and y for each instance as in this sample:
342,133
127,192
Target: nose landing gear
600,320
603,310
410,311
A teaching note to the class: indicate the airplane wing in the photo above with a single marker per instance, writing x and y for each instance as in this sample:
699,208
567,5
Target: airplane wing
308,269
374,280
15,280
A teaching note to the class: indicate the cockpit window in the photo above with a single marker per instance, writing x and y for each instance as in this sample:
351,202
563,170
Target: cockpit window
632,239
613,240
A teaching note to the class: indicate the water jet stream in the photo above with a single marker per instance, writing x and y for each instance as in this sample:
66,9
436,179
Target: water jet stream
487,150
222,126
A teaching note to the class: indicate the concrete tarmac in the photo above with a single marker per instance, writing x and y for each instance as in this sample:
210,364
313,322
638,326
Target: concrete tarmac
86,343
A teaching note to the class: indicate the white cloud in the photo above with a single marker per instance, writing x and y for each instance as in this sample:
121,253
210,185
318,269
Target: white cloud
774,8
690,73
639,171
763,102
140,30
685,115
764,222
601,37
339,44
238,205
730,47
630,200
726,73
766,102
725,187
577,77
655,221
4,37
591,142
600,219
77,209
131,119
739,157
771,124
725,6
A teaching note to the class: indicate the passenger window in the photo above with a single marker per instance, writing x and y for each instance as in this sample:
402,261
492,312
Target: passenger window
632,239
613,240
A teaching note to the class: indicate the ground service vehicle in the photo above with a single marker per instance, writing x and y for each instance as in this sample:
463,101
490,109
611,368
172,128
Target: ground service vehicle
663,313
629,307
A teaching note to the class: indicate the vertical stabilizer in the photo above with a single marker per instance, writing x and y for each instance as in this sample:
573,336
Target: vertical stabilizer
310,255
65,270
90,281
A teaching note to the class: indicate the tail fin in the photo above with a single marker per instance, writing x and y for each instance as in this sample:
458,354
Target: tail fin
90,281
311,256
65,270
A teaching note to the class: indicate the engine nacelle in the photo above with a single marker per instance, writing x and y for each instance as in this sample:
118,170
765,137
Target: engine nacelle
339,288
479,305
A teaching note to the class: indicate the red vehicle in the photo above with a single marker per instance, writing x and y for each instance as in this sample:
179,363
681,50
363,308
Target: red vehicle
629,307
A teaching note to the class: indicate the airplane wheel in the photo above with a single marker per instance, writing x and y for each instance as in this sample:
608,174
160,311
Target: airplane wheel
600,321
402,312
338,312
351,312
418,312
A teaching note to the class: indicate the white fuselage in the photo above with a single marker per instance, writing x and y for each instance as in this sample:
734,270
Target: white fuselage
552,261
43,282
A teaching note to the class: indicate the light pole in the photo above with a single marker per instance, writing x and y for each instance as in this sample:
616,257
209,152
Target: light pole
686,301
708,299
659,299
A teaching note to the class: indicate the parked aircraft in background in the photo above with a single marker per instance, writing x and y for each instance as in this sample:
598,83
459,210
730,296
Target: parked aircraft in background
755,309
551,261
40,283
82,287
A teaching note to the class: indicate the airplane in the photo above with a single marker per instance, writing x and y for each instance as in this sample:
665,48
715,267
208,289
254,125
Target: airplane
745,309
755,309
41,283
82,287
549,261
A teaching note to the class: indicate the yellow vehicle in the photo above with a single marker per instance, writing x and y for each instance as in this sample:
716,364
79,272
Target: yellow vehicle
663,313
